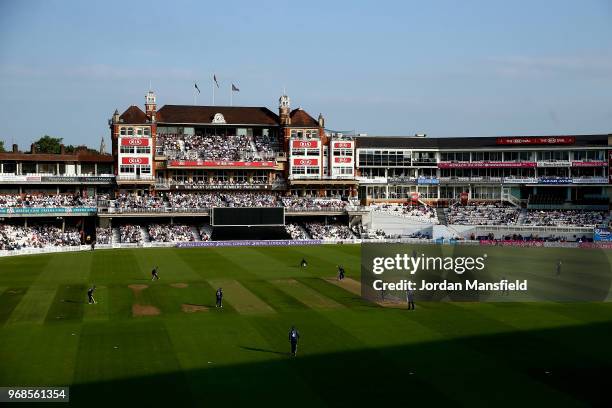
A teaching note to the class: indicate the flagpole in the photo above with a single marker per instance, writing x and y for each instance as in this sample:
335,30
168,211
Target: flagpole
213,86
231,95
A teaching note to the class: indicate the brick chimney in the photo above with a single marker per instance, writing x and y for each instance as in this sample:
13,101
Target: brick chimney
15,148
62,149
33,148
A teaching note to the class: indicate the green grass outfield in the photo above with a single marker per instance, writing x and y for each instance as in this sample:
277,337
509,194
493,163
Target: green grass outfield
166,343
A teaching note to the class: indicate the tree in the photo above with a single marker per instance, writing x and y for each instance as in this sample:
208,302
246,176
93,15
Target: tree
48,144
71,149
2,150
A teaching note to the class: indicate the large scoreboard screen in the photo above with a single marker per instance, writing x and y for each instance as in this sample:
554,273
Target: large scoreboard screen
241,217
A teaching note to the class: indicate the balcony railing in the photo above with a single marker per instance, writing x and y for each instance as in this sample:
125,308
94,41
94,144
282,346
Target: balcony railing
56,178
125,177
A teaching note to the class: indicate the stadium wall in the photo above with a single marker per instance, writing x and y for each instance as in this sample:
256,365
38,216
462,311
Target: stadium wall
546,244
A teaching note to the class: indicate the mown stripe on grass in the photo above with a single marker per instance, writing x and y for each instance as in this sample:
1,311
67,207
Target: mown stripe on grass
132,359
9,299
68,304
306,295
101,309
272,295
63,269
171,267
243,300
335,292
34,305
348,284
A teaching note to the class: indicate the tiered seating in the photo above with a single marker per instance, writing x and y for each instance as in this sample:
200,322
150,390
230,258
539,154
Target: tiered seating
170,233
267,146
129,201
214,147
573,218
239,199
418,213
483,214
205,232
319,230
545,199
313,204
226,199
45,201
131,234
103,235
196,200
39,236
295,231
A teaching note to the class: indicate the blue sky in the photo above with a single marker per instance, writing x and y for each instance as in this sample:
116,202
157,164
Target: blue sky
445,68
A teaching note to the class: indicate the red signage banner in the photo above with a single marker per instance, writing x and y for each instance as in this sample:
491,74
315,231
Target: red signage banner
596,163
343,159
343,145
134,141
485,165
305,162
134,160
545,140
305,144
207,163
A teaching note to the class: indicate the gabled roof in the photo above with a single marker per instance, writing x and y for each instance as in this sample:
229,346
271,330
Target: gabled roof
134,115
237,115
300,118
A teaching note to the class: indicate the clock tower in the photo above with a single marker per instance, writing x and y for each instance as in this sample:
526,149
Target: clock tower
284,105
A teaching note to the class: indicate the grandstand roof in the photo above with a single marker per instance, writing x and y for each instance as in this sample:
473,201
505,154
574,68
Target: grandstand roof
301,118
413,142
236,115
133,114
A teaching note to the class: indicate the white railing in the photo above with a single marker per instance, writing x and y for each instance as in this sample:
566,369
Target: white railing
33,251
124,177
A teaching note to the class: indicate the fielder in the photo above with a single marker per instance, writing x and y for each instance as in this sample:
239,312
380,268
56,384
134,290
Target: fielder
294,336
219,298
90,297
341,272
154,275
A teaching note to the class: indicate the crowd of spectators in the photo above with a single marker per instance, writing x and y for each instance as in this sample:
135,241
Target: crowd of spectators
131,201
205,232
184,200
318,230
194,200
45,200
313,203
530,238
131,234
244,199
103,235
579,218
14,237
208,147
221,181
267,146
295,231
419,213
483,214
170,233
